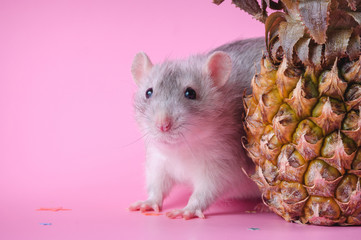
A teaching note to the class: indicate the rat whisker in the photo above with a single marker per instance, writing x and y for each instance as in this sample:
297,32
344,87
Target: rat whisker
147,140
135,141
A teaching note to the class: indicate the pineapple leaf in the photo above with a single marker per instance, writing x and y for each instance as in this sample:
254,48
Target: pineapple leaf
251,7
316,53
336,45
353,48
302,50
291,8
264,9
218,2
289,33
356,16
273,5
271,27
352,4
315,16
276,52
344,20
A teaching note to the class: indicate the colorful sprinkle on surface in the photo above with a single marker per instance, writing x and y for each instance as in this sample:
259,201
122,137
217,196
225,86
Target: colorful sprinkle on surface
152,214
53,209
46,224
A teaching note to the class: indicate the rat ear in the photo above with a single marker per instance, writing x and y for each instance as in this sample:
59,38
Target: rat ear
219,67
140,67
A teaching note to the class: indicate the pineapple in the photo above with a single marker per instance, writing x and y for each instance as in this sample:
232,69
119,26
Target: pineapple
303,118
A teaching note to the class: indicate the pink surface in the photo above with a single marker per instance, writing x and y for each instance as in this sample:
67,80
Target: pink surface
67,134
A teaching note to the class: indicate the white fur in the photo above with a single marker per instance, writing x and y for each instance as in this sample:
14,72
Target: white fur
200,163
203,146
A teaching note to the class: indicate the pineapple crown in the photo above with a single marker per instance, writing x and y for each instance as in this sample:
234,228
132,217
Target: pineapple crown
308,32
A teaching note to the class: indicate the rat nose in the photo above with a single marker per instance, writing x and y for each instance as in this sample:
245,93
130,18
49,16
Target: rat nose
164,124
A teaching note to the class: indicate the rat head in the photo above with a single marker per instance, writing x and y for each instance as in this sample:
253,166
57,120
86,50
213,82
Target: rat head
177,101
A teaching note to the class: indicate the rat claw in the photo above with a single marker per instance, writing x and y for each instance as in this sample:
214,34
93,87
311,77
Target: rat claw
144,206
200,214
134,206
188,215
185,214
156,208
173,214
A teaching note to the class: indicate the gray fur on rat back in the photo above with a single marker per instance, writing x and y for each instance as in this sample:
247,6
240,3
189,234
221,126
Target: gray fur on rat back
246,55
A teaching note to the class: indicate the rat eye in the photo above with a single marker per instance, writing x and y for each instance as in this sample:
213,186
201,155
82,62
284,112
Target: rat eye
190,93
149,93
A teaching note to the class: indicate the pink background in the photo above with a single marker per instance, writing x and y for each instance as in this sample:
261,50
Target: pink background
67,134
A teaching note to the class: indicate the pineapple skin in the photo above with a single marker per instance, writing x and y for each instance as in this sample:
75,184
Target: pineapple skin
303,119
303,131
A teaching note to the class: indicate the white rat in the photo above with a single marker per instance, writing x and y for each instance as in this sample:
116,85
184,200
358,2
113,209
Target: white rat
190,112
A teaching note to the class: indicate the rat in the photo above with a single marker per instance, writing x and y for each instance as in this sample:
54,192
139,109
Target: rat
190,112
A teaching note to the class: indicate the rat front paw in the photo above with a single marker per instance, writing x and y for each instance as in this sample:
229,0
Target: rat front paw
185,214
144,206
